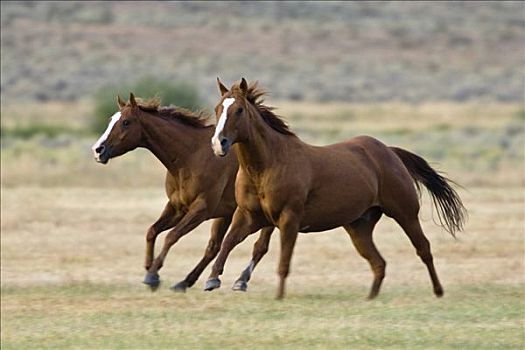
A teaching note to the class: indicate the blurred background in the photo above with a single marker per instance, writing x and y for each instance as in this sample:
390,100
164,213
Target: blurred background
442,79
445,80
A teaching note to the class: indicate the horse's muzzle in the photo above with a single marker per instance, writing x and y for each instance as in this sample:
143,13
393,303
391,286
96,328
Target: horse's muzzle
220,146
102,154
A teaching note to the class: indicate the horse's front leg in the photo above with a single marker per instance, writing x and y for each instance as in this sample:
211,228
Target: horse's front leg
289,227
218,230
260,248
243,225
168,218
196,214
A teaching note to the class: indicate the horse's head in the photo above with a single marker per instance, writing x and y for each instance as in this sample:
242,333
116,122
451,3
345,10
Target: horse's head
123,133
232,118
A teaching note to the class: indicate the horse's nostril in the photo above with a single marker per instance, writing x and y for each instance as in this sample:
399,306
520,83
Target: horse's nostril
224,142
100,149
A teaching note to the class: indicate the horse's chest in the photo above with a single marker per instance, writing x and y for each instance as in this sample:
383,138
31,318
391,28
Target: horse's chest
180,200
182,197
272,203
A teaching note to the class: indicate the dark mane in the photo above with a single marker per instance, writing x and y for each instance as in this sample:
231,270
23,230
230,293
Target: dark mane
255,96
183,115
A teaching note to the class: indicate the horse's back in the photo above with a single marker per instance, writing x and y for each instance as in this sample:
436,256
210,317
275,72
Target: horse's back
351,176
396,189
357,159
344,184
369,152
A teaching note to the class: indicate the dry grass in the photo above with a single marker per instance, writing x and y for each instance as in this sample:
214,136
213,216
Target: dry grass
71,272
371,116
75,115
476,144
396,115
72,246
66,235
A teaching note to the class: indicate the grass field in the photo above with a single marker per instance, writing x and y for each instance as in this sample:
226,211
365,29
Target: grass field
478,144
72,244
443,80
71,273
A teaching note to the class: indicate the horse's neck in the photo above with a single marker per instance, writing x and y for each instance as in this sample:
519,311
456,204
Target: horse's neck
263,147
172,143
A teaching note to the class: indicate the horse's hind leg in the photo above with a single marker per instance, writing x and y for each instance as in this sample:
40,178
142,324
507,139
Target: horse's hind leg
218,230
260,248
360,232
413,230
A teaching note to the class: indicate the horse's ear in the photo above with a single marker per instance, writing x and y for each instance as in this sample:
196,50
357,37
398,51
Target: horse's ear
120,102
132,101
223,89
244,86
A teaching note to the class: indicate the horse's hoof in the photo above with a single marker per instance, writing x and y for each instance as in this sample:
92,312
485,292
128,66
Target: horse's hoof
152,280
180,287
212,283
439,292
240,285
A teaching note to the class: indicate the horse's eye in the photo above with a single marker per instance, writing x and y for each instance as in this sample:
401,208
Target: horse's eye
126,123
239,111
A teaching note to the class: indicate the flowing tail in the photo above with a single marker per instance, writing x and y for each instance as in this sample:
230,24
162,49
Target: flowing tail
451,212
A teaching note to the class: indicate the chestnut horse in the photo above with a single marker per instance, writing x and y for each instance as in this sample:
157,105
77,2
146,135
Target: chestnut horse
198,185
298,187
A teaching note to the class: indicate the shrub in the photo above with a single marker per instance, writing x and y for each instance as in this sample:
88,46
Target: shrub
181,94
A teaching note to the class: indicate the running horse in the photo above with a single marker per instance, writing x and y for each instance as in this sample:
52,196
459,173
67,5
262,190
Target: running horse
198,185
297,187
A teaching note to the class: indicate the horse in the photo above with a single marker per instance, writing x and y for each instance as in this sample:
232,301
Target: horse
287,183
198,185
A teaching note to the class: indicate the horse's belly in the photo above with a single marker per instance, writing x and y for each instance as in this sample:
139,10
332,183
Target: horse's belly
334,211
316,222
317,228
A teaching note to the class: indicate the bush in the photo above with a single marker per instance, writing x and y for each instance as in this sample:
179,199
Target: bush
180,94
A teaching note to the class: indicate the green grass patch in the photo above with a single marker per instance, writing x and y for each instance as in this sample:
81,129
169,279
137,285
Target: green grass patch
520,114
40,129
84,315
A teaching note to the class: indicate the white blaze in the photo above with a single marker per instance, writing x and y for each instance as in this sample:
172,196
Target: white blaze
112,122
215,142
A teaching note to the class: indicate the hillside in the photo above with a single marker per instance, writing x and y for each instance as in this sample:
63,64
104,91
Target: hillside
320,51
